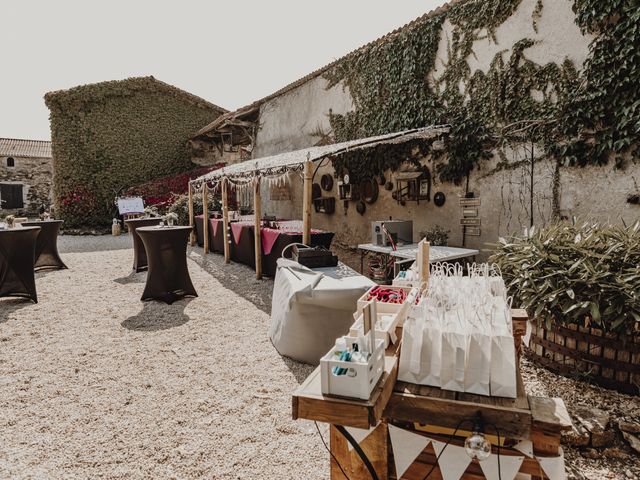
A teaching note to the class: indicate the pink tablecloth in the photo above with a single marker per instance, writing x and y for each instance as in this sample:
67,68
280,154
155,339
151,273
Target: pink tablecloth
269,236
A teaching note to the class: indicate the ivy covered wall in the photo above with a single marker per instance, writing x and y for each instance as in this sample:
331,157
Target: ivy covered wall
110,136
555,80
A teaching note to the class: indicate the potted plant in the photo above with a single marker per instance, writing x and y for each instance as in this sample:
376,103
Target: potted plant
580,282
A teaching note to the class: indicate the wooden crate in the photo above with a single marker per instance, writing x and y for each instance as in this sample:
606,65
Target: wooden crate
605,359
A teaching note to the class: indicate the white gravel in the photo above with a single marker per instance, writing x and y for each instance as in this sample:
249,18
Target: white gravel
96,384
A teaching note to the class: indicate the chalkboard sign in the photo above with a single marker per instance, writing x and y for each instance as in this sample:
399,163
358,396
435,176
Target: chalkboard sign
130,205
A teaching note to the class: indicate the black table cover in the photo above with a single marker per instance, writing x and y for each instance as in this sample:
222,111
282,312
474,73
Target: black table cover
168,278
47,256
17,258
139,253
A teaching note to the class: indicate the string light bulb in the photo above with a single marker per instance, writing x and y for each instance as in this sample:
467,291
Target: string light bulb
476,444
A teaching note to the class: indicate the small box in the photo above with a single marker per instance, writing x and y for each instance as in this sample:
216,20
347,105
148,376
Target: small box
385,328
382,307
361,378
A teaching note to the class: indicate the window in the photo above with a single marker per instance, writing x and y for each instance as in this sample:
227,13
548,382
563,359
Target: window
11,195
11,162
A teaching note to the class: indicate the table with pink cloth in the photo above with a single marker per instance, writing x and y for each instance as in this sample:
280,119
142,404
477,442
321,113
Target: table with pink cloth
273,240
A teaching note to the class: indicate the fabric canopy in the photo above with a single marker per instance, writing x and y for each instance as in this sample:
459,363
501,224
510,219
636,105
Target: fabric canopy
289,160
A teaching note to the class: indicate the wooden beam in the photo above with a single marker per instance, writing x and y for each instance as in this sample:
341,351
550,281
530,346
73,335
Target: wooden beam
257,214
306,203
192,236
423,264
205,216
225,219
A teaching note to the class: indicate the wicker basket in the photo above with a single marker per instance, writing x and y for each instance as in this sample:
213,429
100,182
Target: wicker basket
605,359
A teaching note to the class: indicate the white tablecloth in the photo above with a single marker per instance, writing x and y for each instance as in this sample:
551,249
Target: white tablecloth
311,308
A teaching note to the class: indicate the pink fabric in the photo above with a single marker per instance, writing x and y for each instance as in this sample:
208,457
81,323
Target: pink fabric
236,229
268,237
215,223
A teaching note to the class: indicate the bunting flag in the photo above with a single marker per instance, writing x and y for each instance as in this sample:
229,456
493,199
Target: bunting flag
509,467
526,447
358,434
553,467
406,448
453,460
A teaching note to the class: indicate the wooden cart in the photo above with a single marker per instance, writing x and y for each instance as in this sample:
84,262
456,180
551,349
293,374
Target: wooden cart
420,408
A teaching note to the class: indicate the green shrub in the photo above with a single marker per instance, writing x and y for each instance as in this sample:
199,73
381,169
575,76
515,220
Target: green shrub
576,273
180,206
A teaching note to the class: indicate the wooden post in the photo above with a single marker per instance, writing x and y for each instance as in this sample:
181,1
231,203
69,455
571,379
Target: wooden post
423,263
225,220
306,203
257,211
192,236
205,216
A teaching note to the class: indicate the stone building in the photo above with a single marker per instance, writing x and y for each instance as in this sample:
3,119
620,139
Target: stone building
515,188
26,176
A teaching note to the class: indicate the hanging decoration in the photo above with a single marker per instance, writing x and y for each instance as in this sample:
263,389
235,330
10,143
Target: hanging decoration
358,434
452,460
406,447
525,447
505,469
553,467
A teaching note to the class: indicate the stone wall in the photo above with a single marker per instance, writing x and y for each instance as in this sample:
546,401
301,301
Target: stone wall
293,120
36,177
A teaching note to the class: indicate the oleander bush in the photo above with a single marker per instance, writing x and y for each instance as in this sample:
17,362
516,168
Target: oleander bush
110,136
576,273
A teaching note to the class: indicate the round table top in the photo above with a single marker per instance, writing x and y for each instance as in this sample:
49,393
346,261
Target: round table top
164,228
143,219
35,223
18,229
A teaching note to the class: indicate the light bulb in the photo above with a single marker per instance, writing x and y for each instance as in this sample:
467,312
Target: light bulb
477,446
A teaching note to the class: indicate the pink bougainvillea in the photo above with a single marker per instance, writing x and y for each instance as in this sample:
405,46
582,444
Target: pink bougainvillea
160,193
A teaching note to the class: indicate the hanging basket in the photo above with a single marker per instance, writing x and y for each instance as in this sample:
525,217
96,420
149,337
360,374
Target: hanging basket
605,359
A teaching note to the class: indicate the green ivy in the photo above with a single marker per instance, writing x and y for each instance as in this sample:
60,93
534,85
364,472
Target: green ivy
113,135
578,117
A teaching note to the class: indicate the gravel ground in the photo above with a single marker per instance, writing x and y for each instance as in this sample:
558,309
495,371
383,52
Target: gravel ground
96,384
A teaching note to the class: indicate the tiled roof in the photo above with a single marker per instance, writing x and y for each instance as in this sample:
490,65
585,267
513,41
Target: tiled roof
316,73
17,147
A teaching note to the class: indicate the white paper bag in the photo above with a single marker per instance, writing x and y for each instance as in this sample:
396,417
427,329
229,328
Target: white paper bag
478,371
503,373
420,354
454,356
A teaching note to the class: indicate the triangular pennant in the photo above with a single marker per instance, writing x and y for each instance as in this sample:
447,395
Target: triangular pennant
406,448
553,466
509,467
453,460
358,434
525,446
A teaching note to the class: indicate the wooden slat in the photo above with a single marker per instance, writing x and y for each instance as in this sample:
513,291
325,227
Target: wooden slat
375,447
605,362
441,407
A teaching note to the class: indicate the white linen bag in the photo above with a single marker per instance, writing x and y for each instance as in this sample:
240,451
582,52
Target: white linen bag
421,349
454,353
478,372
503,353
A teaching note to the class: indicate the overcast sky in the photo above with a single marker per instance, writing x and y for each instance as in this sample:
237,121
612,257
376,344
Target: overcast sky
228,52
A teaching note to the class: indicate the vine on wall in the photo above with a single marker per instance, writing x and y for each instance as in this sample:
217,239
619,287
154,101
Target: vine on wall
113,135
576,117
